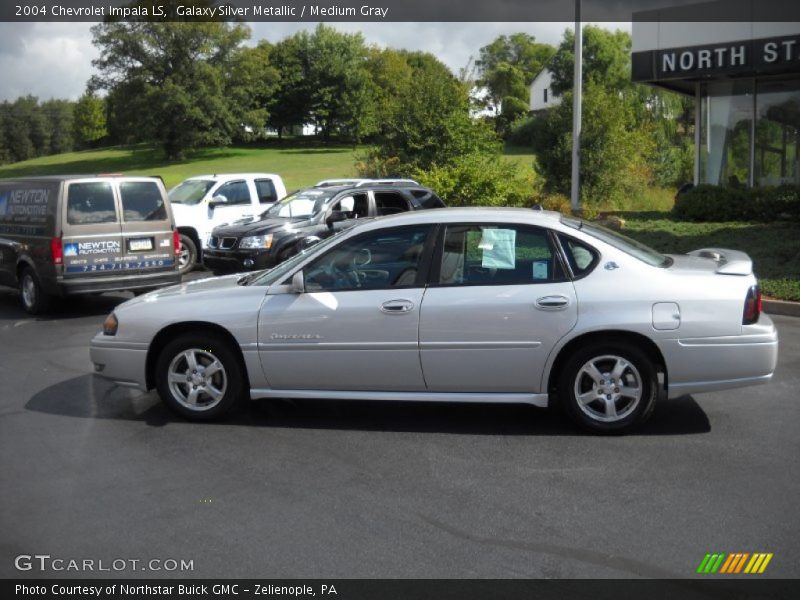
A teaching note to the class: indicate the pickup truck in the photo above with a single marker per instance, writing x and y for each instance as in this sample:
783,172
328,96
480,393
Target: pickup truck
204,202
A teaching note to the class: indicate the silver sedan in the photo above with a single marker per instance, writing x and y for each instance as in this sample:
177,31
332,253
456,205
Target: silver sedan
466,305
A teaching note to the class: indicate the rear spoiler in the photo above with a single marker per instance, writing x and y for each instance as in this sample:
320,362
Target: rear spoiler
729,262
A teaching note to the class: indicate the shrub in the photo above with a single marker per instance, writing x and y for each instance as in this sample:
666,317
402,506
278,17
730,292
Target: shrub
481,180
714,203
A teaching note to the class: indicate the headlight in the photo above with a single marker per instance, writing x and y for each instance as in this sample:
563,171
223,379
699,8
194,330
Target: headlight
110,325
256,241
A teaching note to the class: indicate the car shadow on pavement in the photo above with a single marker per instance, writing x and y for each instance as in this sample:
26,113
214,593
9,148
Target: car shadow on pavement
64,308
90,397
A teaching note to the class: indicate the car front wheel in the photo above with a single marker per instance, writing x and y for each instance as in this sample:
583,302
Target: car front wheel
608,388
199,377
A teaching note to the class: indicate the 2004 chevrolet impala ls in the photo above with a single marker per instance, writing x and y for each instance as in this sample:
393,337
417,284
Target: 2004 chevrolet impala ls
484,305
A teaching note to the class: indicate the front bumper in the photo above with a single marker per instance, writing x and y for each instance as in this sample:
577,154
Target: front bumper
698,365
123,363
235,261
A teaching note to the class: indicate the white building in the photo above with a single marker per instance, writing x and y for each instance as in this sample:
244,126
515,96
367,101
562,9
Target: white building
542,96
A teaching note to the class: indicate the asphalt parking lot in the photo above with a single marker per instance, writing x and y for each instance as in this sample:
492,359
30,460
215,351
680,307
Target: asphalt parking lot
369,489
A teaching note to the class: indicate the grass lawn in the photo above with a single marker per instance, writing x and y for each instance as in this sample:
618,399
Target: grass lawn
299,167
774,247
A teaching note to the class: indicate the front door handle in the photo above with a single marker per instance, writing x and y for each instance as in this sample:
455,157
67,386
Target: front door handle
552,302
397,307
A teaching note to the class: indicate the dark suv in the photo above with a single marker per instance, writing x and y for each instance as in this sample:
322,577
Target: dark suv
307,216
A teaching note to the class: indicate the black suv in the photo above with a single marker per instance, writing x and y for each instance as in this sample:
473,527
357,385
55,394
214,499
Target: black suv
308,216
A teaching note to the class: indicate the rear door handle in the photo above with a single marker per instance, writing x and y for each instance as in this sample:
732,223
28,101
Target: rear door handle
552,302
397,307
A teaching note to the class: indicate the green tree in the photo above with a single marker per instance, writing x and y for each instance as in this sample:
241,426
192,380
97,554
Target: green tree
614,153
252,84
428,124
89,120
508,65
606,60
17,127
167,80
60,113
324,80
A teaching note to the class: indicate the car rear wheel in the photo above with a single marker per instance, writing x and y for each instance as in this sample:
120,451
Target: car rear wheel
608,388
199,377
187,254
34,300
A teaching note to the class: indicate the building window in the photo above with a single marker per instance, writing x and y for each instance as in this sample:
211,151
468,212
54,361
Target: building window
725,128
777,146
545,95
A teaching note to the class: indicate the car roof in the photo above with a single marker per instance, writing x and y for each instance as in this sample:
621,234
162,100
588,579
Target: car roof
227,176
470,215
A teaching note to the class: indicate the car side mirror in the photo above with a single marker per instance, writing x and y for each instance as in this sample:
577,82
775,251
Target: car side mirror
336,216
217,201
298,283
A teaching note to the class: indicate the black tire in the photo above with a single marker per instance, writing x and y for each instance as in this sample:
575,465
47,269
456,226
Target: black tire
187,254
177,395
35,300
609,403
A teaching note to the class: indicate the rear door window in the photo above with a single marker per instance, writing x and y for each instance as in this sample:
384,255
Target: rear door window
142,201
266,191
581,258
497,255
236,192
91,202
388,203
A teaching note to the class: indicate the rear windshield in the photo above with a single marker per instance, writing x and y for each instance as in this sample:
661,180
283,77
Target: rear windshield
191,191
142,201
90,202
620,242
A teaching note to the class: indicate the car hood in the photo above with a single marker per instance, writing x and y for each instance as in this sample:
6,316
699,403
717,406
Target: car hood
208,285
245,227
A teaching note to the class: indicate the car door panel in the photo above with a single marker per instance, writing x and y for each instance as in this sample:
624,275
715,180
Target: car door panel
499,303
341,340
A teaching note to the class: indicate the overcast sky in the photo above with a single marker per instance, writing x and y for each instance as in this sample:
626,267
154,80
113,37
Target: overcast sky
53,60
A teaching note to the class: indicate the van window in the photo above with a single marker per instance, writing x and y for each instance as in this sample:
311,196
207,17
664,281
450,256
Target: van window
91,202
142,201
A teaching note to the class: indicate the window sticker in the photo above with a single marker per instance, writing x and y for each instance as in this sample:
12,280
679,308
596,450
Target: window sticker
539,269
498,247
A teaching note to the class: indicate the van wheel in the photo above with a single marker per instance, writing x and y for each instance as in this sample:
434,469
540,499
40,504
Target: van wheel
187,254
199,376
608,388
34,300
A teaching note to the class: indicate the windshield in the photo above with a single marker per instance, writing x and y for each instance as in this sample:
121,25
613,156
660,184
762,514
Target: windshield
305,203
620,242
190,191
275,274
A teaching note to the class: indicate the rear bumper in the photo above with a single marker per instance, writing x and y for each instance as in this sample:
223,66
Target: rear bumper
84,285
123,364
697,365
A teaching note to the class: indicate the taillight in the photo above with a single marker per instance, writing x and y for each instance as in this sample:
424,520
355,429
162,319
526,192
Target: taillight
176,241
752,306
57,251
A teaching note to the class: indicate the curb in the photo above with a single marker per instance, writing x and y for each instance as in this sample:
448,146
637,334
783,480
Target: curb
781,307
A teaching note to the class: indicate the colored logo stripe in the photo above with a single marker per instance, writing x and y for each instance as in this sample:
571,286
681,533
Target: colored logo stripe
734,563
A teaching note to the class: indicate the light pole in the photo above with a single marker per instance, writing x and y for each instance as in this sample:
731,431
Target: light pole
577,90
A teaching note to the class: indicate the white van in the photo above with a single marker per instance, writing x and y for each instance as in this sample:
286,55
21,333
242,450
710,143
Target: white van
206,201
